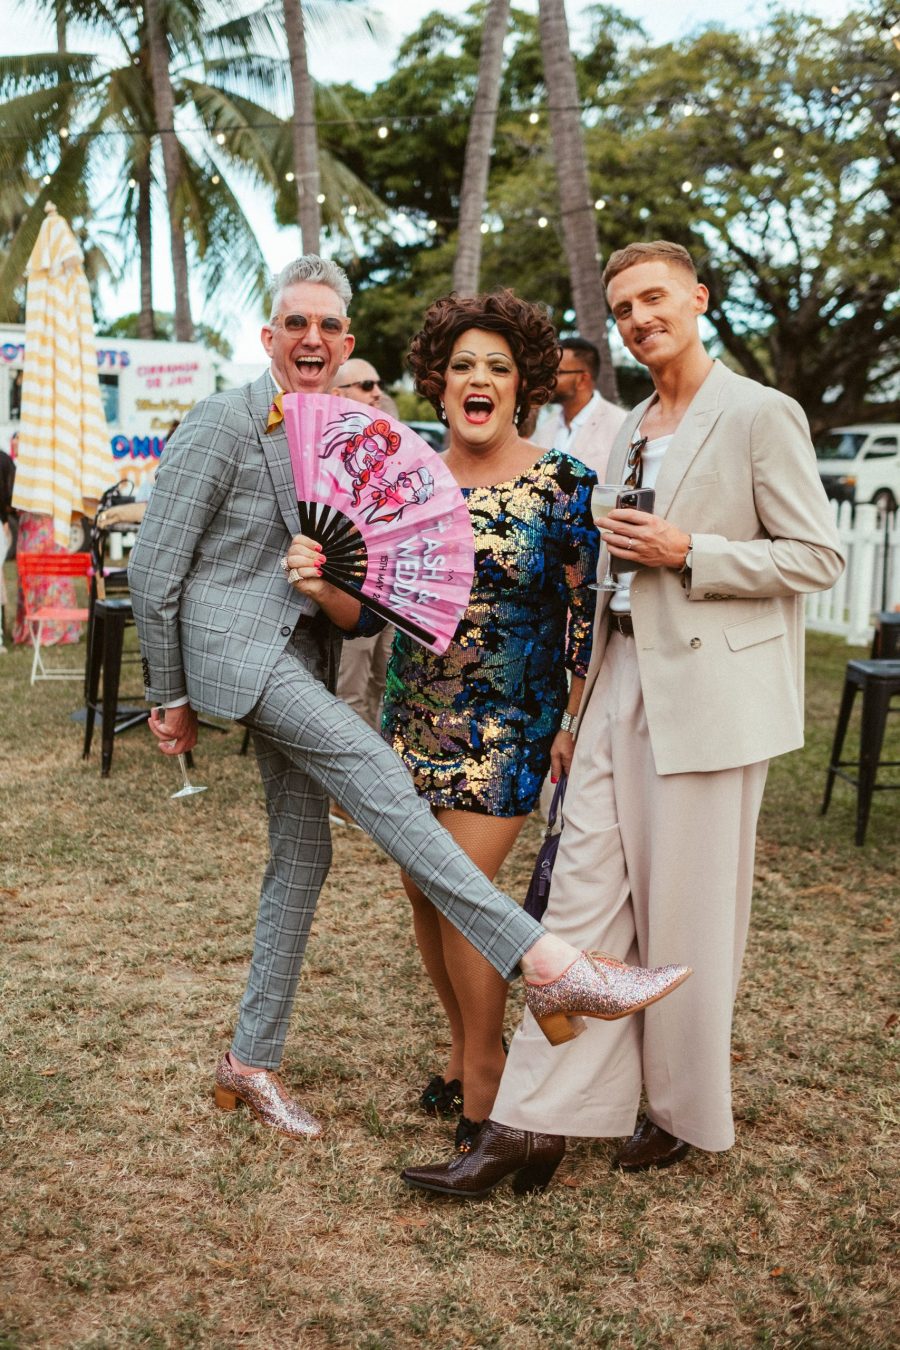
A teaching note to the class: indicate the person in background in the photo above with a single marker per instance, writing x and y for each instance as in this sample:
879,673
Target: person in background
7,527
479,725
695,682
364,661
235,619
582,422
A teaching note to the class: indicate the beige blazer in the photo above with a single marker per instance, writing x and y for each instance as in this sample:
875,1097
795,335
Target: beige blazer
721,649
593,441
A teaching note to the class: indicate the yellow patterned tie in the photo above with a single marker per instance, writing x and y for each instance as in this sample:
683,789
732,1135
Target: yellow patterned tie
276,413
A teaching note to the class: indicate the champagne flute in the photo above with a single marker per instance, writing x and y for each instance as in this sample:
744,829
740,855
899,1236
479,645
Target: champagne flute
189,789
603,500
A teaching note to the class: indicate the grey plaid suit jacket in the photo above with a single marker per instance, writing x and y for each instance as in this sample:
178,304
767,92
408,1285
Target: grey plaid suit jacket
212,605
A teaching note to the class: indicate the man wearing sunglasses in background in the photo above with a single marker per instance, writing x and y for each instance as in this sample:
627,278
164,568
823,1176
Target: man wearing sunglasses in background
359,380
230,625
582,423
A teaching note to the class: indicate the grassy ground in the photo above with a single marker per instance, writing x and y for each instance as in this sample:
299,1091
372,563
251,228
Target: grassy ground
135,1214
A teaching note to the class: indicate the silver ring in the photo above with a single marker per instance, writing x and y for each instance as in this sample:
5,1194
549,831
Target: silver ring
284,564
629,542
293,575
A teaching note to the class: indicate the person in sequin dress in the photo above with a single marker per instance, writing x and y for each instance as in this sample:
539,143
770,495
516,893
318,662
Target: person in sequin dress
479,726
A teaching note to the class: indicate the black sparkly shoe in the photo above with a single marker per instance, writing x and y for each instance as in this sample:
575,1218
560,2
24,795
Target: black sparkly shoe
467,1132
440,1098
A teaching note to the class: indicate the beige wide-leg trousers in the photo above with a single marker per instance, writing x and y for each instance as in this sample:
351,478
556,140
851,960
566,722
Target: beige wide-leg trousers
650,869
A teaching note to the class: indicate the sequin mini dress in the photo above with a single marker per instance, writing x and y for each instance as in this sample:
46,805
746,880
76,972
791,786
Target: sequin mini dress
474,725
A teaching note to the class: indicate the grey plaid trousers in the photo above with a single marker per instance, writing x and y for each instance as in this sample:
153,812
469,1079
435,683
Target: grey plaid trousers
310,746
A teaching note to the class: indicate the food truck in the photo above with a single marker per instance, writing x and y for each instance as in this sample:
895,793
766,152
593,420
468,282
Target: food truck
145,387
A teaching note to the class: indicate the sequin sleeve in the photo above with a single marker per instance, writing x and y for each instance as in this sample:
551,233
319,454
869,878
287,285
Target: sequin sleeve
577,540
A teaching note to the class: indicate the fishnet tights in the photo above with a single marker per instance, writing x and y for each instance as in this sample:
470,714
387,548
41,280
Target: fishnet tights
471,992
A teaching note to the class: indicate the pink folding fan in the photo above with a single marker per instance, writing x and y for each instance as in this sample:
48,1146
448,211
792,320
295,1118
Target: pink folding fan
391,520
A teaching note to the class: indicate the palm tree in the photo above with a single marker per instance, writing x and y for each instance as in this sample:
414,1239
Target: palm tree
164,108
78,109
576,207
467,264
303,129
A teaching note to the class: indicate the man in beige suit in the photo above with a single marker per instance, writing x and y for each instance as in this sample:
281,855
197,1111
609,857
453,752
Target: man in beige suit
582,423
695,682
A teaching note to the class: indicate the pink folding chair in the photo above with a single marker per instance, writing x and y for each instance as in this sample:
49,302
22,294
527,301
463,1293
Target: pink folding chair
35,567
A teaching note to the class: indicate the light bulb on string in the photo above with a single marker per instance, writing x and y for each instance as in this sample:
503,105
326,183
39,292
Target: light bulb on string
599,204
484,227
289,177
351,210
132,182
215,179
534,118
220,138
64,133
687,186
778,152
895,96
383,133
46,179
542,222
321,198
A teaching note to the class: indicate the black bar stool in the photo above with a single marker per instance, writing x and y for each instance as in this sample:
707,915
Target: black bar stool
886,639
879,682
109,619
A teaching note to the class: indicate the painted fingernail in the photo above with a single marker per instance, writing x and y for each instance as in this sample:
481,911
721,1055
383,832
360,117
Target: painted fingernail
553,780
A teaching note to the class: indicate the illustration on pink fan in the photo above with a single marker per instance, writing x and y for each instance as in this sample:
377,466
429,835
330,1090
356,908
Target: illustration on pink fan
365,448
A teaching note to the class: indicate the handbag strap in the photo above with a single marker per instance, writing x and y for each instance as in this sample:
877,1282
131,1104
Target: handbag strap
556,803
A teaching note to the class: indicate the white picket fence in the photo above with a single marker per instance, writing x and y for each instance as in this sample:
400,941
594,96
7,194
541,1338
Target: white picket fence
870,581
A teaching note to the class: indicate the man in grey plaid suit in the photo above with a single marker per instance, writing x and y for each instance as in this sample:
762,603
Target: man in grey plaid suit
223,630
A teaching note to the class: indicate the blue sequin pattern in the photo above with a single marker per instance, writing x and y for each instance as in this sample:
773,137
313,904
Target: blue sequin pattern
474,726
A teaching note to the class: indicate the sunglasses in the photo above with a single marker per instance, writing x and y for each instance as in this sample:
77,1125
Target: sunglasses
330,325
634,462
366,385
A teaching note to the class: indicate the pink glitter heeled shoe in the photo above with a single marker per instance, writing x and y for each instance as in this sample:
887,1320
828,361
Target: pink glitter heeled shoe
597,985
266,1096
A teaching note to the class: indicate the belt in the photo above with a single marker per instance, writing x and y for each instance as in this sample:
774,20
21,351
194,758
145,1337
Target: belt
619,623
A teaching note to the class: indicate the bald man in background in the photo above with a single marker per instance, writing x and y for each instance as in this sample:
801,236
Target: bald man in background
364,661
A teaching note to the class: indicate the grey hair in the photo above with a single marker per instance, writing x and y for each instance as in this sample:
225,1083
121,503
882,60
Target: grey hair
311,268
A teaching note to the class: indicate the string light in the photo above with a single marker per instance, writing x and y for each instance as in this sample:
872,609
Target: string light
895,96
289,177
778,153
687,186
542,222
599,204
132,182
382,133
351,210
534,118
215,179
321,198
485,227
220,138
64,133
46,179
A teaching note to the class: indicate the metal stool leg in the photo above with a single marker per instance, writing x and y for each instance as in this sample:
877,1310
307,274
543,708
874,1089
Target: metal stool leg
94,665
843,722
113,638
871,738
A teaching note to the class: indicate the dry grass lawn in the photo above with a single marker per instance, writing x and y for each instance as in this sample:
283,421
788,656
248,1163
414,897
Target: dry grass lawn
136,1214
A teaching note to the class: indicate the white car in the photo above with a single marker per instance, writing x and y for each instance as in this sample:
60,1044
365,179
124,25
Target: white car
861,463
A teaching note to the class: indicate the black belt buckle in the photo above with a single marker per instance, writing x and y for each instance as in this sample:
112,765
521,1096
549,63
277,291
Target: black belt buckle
620,623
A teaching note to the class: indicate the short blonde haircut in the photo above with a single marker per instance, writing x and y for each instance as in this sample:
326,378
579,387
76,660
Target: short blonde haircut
661,249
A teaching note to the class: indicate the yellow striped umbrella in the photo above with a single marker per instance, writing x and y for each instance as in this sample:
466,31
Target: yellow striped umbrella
63,464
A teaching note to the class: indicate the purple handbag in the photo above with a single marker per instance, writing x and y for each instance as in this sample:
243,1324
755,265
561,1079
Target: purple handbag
539,886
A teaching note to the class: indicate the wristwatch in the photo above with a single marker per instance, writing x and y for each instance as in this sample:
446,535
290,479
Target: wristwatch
569,722
688,558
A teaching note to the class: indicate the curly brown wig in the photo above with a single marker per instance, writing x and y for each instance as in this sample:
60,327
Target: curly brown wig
526,327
